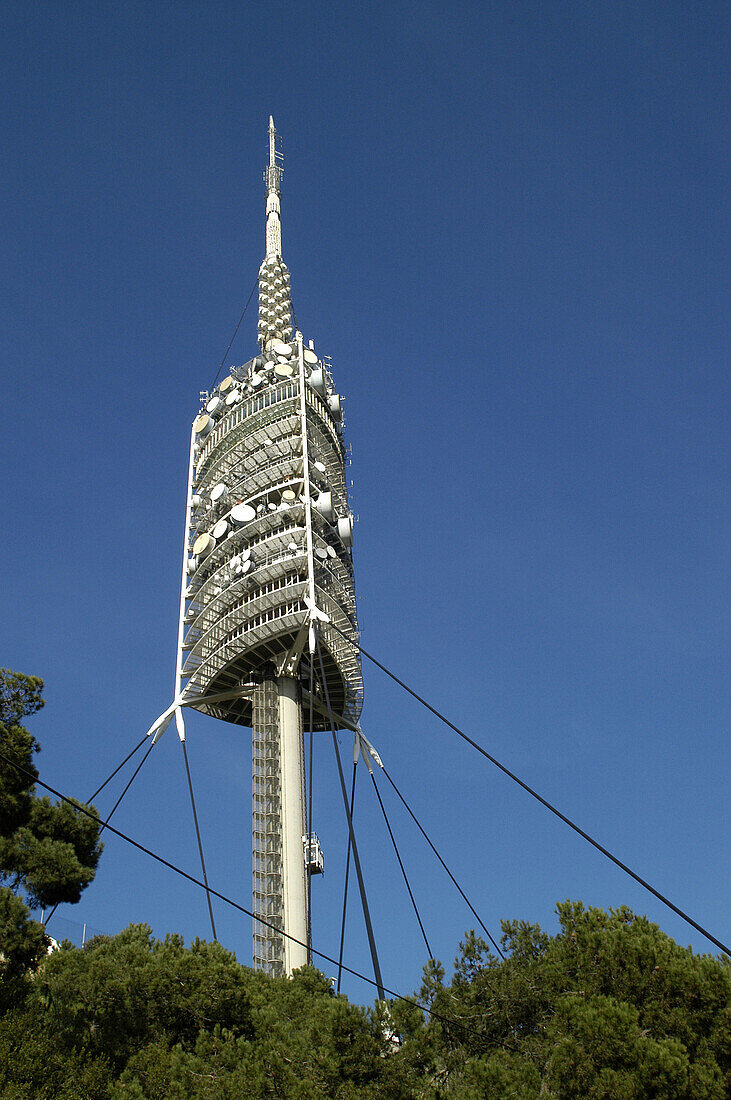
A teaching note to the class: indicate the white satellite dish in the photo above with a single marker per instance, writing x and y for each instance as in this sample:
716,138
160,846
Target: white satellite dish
233,397
289,494
226,384
220,529
215,406
331,552
219,493
309,356
324,505
345,530
242,513
283,370
317,381
202,424
279,348
203,545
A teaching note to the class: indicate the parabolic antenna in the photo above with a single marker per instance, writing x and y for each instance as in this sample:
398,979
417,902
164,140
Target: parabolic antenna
345,530
203,545
202,424
317,381
242,513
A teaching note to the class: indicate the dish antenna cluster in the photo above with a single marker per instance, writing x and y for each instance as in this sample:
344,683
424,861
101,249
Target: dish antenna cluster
267,573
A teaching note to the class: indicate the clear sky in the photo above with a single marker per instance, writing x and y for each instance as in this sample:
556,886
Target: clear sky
505,222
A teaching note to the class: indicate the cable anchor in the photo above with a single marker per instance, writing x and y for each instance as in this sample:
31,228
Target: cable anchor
363,747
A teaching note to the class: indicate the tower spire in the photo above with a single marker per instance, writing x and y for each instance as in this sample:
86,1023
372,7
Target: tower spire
272,136
275,303
273,179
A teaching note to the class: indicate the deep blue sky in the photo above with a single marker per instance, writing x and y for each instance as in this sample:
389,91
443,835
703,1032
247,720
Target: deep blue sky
506,224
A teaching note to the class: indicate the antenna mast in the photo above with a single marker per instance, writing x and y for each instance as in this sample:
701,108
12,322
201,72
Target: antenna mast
275,298
273,179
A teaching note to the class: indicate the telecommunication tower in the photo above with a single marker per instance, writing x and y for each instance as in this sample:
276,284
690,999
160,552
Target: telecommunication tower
267,572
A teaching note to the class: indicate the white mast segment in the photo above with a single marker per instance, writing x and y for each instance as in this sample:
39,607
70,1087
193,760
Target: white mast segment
275,300
273,178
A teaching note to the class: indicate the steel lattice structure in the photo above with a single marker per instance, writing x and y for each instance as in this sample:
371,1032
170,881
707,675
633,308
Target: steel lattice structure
267,561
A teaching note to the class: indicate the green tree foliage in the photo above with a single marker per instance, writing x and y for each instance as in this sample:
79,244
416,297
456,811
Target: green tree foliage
19,697
161,1020
609,1008
33,1066
48,851
121,993
22,941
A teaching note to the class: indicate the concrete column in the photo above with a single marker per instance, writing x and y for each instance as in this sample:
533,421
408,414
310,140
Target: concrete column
293,863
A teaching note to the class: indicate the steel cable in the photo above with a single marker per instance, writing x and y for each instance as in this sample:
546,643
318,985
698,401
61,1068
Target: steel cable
345,887
430,953
117,769
356,857
234,904
105,823
436,853
238,326
539,798
200,843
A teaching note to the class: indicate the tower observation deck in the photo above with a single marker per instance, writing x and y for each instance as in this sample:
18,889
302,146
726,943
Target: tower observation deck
267,561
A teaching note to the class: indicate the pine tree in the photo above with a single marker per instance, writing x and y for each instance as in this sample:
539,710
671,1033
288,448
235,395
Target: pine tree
48,851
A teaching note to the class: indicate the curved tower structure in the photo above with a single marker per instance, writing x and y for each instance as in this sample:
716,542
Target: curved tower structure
267,560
